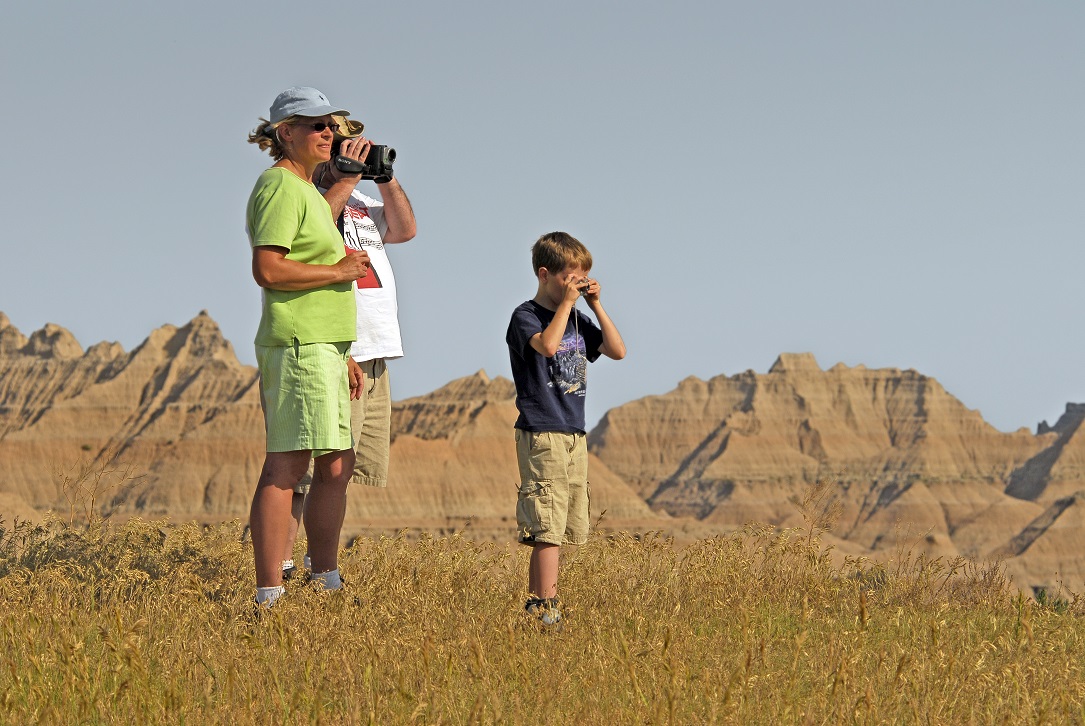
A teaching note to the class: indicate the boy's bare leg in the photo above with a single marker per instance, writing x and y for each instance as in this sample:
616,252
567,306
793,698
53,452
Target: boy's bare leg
269,516
325,507
543,570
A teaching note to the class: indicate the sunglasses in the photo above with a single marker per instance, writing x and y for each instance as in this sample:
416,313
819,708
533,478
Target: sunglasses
319,126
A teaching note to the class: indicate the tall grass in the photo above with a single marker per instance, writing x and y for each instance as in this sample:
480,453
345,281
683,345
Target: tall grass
152,622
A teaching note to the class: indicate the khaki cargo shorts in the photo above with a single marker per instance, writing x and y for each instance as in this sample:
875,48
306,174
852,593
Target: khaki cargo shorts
371,423
553,502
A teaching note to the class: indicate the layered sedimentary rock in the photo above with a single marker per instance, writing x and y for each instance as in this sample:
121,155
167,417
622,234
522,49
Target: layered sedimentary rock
174,428
910,466
453,461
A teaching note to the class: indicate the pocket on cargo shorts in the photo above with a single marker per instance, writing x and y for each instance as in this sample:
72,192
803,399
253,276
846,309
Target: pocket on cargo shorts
534,508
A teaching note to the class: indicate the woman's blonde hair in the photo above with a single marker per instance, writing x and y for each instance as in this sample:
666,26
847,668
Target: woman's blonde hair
265,137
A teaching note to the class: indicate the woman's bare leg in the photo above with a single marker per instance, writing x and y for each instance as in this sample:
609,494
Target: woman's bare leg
325,507
269,517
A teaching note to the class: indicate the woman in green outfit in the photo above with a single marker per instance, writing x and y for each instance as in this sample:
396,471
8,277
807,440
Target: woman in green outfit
302,344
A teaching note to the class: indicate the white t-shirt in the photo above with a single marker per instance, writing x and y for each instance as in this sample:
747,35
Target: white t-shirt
378,311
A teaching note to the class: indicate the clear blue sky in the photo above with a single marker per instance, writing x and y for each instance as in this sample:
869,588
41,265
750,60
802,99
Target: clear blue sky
892,184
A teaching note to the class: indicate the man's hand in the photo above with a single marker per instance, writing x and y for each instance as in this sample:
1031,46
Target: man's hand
354,265
355,149
356,379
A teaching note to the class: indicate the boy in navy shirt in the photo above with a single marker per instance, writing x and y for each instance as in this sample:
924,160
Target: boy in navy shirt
550,345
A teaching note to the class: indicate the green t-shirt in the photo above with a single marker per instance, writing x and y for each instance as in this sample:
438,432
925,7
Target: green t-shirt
286,211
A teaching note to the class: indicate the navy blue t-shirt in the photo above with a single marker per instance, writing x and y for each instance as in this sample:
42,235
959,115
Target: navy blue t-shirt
550,391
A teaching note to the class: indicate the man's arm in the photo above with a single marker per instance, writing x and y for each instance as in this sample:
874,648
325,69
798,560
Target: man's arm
398,214
339,192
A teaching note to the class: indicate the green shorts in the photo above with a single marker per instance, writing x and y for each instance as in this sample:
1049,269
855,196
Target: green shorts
305,396
371,423
553,502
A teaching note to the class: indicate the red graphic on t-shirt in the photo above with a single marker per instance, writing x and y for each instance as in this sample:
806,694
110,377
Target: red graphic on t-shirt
371,278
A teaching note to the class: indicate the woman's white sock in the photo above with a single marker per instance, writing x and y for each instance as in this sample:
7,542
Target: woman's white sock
267,596
329,580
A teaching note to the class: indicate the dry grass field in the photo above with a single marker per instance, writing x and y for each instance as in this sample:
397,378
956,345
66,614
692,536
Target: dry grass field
152,622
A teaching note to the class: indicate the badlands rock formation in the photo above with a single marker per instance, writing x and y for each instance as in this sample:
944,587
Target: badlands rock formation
180,411
176,424
910,466
453,461
174,428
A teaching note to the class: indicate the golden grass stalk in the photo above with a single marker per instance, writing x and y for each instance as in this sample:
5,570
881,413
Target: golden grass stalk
152,622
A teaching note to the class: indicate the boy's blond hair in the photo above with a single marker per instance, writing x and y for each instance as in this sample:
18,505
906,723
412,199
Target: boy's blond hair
557,250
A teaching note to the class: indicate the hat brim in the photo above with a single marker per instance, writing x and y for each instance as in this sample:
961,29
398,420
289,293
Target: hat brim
348,128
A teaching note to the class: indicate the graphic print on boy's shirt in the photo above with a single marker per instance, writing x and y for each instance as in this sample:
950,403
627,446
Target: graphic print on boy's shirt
569,366
359,233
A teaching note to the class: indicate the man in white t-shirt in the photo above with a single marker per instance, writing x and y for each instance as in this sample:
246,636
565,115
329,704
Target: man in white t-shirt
367,224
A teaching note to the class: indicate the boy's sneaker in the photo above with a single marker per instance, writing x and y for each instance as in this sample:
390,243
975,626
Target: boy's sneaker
289,572
546,610
259,610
